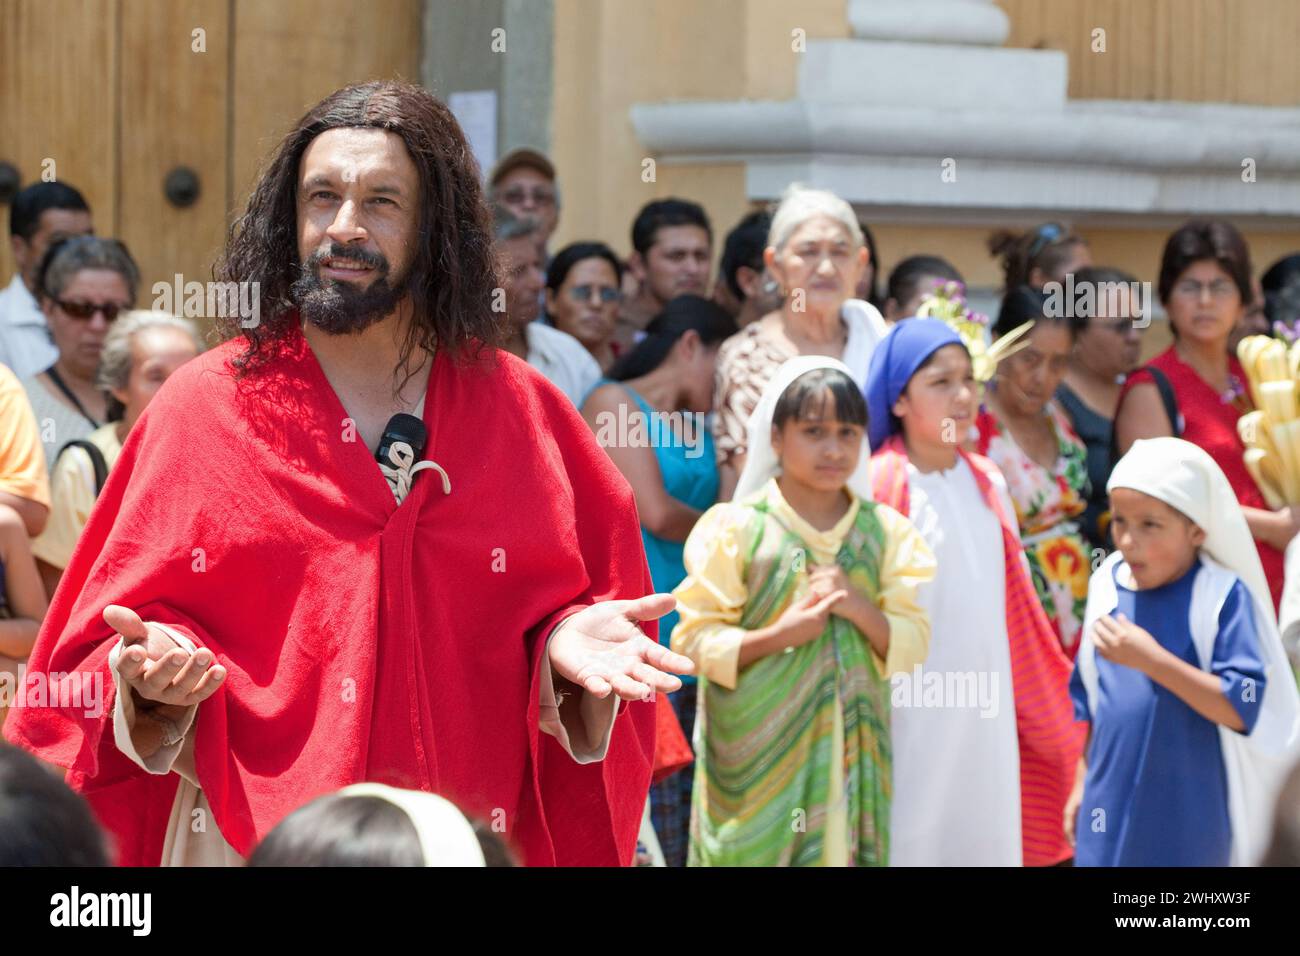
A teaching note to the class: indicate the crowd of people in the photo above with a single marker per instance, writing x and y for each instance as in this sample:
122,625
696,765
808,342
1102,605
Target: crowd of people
956,589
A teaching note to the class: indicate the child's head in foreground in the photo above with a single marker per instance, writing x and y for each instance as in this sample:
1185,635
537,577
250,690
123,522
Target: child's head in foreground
819,425
921,384
42,821
938,404
1159,542
1170,501
376,825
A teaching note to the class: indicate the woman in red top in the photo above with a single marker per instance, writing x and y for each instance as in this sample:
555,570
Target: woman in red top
1205,287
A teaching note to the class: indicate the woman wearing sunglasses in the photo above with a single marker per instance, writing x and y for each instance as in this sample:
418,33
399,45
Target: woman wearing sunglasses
583,286
1106,349
84,283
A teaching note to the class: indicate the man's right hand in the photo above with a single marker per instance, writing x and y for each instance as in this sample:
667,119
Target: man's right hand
165,680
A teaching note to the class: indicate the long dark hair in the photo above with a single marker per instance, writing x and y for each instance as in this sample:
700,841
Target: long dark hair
453,271
685,313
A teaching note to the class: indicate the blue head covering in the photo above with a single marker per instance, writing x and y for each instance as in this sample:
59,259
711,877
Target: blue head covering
894,362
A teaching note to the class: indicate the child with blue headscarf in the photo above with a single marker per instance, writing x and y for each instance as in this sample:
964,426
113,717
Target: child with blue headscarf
988,715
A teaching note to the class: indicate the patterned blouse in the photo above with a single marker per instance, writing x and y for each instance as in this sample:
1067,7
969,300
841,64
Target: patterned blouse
1047,503
746,363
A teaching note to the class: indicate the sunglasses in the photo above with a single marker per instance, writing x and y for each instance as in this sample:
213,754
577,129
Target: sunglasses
516,196
85,311
582,293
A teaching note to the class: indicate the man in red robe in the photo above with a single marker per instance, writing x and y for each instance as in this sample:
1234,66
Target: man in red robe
276,617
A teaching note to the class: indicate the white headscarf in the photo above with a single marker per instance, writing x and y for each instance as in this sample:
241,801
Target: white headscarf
865,327
761,464
446,837
1186,478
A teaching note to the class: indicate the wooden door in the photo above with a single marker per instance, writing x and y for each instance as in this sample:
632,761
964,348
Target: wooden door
118,94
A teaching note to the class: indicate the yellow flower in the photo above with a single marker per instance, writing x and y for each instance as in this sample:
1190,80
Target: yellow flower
1063,559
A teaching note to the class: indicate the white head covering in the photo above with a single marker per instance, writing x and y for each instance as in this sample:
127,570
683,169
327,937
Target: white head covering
761,464
866,328
446,837
1186,478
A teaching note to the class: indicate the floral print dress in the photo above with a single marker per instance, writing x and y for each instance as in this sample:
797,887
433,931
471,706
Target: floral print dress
1047,504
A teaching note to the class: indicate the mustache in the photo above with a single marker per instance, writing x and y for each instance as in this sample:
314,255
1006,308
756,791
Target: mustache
364,257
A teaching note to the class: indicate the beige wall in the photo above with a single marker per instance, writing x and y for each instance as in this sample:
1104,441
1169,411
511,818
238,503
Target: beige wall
1230,51
610,54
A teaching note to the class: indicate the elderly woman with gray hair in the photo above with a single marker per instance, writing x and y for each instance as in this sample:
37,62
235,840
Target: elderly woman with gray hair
817,254
84,283
140,352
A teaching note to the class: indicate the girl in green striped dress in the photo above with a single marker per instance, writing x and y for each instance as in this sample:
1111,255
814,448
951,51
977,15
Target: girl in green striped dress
798,605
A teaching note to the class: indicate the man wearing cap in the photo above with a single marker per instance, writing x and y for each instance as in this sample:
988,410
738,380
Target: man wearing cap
524,183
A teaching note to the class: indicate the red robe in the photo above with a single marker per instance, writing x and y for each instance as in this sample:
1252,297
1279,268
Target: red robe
363,641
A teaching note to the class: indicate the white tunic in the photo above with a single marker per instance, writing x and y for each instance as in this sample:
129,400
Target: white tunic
956,798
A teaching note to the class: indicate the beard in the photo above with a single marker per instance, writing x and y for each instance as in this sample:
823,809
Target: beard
340,308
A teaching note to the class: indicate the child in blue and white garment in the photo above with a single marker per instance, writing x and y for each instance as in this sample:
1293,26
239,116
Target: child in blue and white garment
1192,703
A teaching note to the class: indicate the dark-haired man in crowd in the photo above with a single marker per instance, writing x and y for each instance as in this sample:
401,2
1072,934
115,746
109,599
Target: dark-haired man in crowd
39,216
743,286
672,245
523,182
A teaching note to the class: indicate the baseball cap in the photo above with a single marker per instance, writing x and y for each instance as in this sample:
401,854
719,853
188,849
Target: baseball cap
522,157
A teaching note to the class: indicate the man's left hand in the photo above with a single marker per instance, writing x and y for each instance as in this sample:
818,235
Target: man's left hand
601,649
